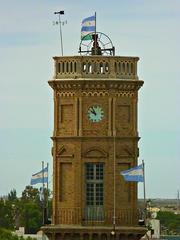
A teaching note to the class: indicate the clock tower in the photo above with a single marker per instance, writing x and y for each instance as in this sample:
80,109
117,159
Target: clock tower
95,137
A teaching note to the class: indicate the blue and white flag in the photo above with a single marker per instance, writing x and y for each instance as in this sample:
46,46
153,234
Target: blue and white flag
40,177
135,174
88,26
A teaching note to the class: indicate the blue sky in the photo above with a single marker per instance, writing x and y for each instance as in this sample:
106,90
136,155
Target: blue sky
28,40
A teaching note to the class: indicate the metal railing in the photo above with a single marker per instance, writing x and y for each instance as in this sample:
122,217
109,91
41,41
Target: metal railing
97,216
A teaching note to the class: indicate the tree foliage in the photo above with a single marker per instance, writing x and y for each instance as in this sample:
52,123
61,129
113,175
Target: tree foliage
26,211
6,214
7,235
12,196
31,217
30,193
170,220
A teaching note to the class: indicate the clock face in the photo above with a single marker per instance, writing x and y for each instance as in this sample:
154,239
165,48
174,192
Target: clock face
95,113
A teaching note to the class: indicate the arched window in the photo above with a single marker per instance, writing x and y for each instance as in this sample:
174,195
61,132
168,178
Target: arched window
115,67
107,67
67,67
101,68
63,67
75,67
120,67
84,67
71,68
132,68
59,67
123,67
89,68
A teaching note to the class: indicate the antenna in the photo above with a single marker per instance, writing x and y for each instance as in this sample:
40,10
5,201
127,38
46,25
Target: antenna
60,29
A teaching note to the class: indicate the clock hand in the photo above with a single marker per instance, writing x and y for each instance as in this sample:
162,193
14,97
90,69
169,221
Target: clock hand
93,111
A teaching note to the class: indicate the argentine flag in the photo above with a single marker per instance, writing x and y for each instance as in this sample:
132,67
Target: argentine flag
135,174
38,177
88,26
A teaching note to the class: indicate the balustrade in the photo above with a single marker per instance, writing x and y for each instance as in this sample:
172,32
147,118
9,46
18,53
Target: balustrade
96,66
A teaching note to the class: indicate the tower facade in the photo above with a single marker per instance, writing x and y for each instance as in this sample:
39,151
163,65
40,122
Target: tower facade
95,138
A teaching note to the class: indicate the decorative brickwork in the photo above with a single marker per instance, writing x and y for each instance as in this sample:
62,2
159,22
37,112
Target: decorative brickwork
95,122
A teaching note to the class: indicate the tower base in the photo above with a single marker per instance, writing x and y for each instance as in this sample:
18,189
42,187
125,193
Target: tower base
77,232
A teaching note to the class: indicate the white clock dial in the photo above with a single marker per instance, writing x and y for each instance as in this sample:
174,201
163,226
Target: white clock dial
95,113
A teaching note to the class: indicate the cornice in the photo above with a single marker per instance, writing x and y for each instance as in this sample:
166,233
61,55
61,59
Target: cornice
95,84
98,57
137,138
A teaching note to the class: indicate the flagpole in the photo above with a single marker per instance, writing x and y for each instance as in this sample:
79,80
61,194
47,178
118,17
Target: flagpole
178,205
95,35
144,186
47,191
43,191
114,211
95,22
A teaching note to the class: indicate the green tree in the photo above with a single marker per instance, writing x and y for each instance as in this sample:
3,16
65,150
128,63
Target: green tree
170,221
7,235
12,196
31,217
6,214
31,210
26,211
30,193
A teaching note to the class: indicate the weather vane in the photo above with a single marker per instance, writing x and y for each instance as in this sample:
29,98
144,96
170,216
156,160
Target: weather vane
60,29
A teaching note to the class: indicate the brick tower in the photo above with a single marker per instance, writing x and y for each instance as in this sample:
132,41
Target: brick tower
95,138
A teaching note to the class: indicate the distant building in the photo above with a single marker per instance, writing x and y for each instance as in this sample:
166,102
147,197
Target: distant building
39,236
155,225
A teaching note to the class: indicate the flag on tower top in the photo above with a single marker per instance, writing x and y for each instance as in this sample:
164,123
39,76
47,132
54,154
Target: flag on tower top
135,174
88,26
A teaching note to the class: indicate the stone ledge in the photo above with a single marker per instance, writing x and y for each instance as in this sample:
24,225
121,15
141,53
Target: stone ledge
78,232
